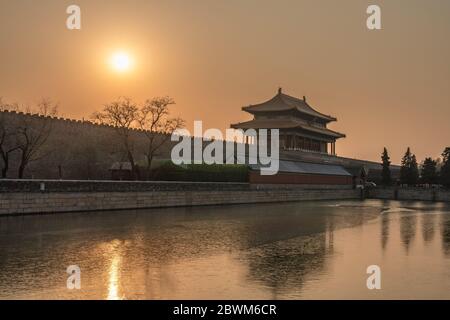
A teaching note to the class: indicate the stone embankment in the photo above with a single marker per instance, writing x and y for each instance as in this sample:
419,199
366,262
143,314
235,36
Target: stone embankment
54,196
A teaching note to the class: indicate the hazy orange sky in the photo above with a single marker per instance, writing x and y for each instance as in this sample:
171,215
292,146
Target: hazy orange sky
387,88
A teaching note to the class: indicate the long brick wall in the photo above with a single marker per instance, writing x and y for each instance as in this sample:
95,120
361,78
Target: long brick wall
155,196
79,149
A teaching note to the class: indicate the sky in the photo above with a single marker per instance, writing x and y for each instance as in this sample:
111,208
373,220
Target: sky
387,88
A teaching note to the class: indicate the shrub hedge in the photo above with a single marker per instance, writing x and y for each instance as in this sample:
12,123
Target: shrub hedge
201,172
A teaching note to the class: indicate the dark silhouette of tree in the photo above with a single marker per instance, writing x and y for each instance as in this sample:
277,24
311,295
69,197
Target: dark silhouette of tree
429,173
33,133
414,170
7,137
409,171
445,169
386,171
122,115
404,169
157,125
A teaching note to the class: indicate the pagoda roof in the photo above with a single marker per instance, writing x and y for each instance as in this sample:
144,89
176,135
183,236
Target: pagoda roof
284,102
286,124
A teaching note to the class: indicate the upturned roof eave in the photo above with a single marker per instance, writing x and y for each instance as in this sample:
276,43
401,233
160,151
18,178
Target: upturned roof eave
252,109
322,131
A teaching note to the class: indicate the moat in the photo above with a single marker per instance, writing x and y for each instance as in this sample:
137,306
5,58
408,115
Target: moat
304,250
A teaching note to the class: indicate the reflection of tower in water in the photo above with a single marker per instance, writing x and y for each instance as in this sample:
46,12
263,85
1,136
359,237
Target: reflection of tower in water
329,239
283,266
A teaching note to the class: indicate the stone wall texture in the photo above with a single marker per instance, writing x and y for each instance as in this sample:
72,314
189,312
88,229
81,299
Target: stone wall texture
75,149
418,194
151,195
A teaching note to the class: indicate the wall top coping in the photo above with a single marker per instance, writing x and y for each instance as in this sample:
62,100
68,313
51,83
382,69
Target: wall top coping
120,181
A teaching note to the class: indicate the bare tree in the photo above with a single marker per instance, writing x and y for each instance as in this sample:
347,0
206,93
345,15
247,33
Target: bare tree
7,136
33,133
122,115
157,125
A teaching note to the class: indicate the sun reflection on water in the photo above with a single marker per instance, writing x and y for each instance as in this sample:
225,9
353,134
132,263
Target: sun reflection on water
114,276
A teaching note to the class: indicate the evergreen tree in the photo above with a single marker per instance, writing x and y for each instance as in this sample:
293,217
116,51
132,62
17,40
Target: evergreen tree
386,171
429,172
404,167
445,169
414,171
409,171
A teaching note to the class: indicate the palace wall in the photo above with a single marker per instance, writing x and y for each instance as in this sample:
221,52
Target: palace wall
26,197
81,150
410,194
49,196
77,149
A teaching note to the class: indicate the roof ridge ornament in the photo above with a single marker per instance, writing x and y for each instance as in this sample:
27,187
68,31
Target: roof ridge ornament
280,90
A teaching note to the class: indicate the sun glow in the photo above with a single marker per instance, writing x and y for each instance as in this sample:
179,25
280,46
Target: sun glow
121,62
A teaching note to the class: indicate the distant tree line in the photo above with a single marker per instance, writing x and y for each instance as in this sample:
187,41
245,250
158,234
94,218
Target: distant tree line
429,172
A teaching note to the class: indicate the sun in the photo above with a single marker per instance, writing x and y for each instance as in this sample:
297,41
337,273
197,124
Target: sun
121,62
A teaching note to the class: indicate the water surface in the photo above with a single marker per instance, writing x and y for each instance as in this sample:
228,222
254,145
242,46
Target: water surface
304,250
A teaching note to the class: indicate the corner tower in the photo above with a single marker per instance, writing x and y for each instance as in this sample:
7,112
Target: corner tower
301,127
